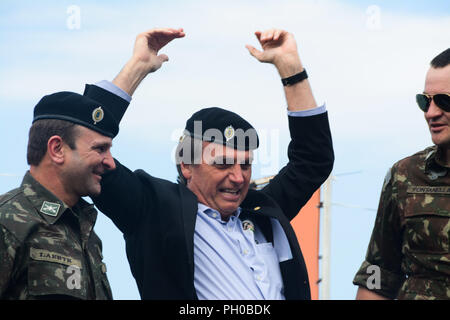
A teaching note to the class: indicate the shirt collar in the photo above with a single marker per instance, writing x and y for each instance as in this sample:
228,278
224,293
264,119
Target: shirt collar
214,213
50,207
432,159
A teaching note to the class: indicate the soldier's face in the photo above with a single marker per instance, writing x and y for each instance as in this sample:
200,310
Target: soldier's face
438,81
85,165
222,180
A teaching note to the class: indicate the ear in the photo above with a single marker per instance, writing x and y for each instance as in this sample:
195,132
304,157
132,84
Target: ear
55,149
186,170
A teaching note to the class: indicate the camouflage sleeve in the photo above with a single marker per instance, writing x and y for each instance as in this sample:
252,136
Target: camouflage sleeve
8,246
381,270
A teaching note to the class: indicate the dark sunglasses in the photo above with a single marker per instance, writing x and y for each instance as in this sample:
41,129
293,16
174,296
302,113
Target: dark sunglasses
442,100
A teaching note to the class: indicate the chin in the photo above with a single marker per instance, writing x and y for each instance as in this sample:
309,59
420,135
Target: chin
94,191
441,142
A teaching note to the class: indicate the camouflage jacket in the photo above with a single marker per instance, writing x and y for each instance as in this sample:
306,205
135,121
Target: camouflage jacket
409,247
48,250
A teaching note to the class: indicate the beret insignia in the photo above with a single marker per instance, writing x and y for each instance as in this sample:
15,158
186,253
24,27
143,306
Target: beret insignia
97,115
229,133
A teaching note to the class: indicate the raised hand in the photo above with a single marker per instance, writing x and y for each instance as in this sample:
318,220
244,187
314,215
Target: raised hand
146,57
149,43
279,48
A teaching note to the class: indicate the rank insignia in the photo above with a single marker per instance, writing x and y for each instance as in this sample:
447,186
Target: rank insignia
433,175
229,133
50,208
97,115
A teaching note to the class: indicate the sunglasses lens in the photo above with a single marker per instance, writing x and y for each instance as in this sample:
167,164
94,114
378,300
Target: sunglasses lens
442,101
423,102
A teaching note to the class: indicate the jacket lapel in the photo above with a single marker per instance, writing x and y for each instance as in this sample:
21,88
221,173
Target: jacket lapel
294,273
189,207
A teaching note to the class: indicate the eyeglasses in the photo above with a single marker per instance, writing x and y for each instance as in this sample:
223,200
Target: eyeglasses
442,100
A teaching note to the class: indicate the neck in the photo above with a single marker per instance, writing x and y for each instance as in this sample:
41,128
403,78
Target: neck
51,180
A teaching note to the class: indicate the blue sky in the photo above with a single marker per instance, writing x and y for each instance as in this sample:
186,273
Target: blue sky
366,61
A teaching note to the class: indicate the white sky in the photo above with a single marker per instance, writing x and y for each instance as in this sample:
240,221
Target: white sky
365,63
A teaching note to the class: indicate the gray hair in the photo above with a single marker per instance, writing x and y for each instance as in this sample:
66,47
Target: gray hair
188,151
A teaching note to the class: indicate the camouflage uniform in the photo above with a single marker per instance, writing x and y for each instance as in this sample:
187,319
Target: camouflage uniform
48,250
410,239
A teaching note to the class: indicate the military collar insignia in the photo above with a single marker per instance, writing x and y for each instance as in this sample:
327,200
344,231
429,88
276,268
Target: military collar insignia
97,115
229,133
433,175
50,208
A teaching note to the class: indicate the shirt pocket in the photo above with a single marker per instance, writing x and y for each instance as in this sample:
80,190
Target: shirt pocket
427,223
54,275
101,283
265,248
267,252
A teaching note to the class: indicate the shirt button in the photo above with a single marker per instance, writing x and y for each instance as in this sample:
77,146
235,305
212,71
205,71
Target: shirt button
245,252
258,278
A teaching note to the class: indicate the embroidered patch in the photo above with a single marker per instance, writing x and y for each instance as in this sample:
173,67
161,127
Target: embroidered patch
49,256
433,175
427,189
50,208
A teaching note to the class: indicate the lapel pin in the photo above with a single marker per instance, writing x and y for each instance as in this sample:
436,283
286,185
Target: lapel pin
248,225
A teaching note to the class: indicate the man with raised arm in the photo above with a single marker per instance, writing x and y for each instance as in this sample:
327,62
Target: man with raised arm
209,236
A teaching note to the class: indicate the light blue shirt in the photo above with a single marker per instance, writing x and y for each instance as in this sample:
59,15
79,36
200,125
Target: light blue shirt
231,263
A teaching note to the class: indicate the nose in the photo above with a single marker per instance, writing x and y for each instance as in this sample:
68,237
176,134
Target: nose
236,176
433,111
108,162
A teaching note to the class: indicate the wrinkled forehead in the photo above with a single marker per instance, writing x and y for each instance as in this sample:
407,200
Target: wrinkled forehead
218,153
438,80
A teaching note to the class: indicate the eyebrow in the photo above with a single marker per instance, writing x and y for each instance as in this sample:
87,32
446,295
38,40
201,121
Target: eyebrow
101,144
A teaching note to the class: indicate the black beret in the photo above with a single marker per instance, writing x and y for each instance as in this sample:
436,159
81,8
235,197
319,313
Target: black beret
223,127
115,104
82,110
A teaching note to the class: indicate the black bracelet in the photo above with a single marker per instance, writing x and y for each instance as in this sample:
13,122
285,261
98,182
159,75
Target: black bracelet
295,78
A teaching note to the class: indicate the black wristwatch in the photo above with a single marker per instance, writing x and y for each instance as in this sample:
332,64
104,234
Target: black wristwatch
295,78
